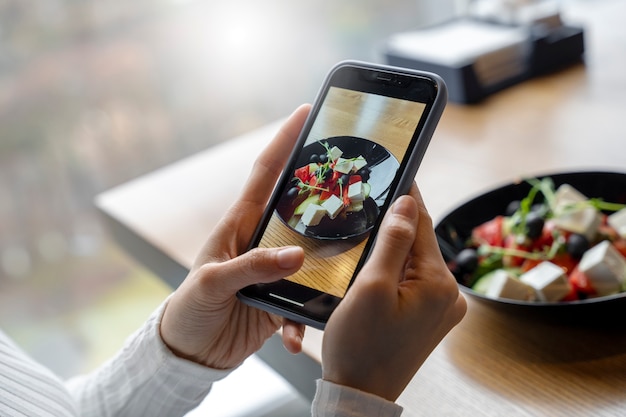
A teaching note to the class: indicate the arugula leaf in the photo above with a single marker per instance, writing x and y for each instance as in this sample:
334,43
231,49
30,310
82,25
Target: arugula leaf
602,205
546,188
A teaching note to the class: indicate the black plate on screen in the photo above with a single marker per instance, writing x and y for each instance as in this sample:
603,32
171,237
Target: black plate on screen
383,167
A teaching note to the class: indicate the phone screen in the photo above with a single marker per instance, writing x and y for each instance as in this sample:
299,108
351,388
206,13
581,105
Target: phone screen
338,184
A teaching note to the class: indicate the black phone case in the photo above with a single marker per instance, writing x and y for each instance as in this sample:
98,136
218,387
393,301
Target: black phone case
408,175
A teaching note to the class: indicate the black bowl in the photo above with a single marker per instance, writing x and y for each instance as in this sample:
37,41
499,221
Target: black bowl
456,227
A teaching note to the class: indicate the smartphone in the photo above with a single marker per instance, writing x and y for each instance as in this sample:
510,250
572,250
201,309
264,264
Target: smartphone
359,150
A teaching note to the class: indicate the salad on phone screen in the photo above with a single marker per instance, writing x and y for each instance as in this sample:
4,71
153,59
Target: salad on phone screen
337,187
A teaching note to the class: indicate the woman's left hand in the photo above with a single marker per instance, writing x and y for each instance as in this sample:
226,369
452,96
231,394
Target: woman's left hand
204,321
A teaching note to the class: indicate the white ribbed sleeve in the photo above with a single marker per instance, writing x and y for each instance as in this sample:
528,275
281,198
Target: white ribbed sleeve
332,400
27,388
143,379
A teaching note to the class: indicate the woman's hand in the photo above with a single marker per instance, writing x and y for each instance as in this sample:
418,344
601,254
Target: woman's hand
204,321
401,305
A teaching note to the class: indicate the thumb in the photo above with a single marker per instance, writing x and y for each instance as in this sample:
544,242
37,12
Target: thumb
395,239
259,265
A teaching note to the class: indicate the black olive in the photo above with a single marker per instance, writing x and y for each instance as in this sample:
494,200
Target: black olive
293,192
315,158
534,225
345,179
577,245
323,158
512,208
466,261
364,173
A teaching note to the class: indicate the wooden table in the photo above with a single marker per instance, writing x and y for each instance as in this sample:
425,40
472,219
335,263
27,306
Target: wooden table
491,364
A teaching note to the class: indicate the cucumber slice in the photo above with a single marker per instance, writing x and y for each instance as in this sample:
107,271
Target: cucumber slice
314,199
367,189
482,284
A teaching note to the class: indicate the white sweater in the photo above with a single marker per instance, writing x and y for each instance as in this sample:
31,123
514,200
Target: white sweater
143,379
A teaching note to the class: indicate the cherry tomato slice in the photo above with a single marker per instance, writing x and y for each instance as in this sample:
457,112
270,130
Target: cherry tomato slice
489,232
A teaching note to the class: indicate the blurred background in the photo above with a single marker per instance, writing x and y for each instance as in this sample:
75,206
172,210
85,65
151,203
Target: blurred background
94,93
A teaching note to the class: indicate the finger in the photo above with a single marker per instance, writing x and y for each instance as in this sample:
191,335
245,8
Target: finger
426,245
260,265
272,160
460,309
395,239
293,333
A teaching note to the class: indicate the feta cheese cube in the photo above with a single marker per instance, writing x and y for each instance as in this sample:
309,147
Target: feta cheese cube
548,280
355,192
566,194
573,216
333,206
504,285
344,165
313,214
605,267
335,153
359,162
617,221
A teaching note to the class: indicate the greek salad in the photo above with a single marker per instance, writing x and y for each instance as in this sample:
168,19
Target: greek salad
329,186
554,245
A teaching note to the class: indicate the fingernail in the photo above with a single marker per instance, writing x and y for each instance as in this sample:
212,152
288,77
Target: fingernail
403,207
289,257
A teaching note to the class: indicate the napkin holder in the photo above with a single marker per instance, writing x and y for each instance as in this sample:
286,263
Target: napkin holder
471,78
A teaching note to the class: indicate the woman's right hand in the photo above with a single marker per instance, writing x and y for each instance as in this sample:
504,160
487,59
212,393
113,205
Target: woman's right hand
401,305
